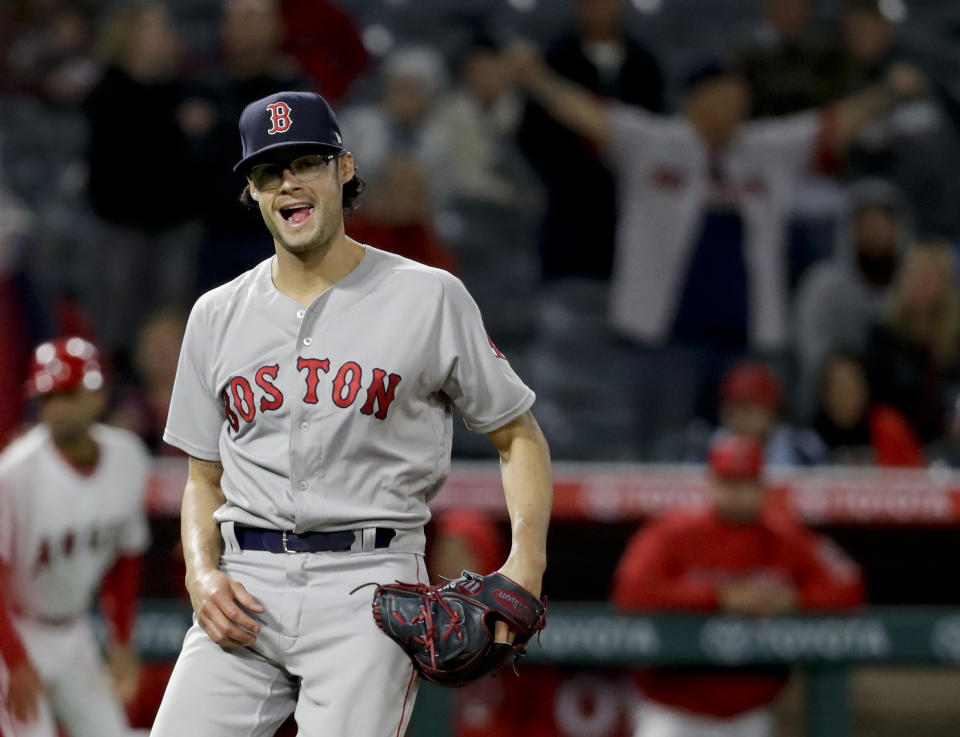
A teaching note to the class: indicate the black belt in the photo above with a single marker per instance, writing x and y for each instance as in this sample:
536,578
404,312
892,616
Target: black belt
278,541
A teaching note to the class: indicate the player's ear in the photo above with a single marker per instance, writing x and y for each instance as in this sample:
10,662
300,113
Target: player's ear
347,167
254,193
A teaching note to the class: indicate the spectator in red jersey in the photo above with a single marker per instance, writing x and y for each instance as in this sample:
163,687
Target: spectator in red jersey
856,429
739,555
325,41
397,215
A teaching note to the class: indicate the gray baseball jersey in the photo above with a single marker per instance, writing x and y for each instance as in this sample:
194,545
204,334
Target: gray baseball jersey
337,415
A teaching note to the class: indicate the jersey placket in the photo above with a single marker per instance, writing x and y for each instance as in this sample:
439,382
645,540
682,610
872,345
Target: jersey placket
307,440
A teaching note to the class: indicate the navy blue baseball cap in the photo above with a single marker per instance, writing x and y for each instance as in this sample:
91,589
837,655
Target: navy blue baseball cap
287,119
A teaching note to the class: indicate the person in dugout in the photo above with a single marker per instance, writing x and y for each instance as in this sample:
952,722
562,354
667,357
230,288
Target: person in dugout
740,554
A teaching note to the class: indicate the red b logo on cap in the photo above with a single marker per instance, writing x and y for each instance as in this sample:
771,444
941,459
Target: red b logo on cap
279,117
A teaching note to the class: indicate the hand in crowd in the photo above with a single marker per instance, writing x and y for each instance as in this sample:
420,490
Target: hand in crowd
525,61
758,598
25,689
220,604
123,666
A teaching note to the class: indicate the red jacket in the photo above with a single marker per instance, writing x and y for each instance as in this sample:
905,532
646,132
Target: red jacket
681,562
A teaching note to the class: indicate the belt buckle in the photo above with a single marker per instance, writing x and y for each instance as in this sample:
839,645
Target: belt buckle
283,543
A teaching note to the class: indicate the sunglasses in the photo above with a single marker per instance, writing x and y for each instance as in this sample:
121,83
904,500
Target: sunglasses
303,168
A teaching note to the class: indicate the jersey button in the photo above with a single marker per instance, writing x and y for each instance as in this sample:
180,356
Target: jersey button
304,426
303,485
301,313
308,340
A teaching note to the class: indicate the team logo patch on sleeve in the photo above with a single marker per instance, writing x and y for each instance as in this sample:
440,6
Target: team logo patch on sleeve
280,120
496,351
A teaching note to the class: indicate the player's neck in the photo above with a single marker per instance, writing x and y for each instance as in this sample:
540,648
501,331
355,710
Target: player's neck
80,451
305,276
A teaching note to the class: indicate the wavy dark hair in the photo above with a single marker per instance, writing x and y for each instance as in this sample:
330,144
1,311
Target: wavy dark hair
351,193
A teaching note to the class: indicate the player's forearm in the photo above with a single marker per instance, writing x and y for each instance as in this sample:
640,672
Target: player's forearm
567,102
200,534
528,488
853,113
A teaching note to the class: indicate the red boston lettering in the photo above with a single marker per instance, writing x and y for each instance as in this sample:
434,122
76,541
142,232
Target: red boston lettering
352,385
275,400
380,394
313,366
243,398
229,413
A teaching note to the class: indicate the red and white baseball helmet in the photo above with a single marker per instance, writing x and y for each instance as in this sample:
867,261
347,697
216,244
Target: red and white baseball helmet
64,364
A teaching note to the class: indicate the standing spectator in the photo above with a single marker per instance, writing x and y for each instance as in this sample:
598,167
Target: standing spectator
143,404
397,215
52,55
741,556
750,405
857,430
403,119
252,65
325,41
147,250
477,124
912,359
792,65
577,233
839,301
700,274
913,145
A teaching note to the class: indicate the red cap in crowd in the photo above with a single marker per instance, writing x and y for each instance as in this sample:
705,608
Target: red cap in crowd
751,381
64,364
736,457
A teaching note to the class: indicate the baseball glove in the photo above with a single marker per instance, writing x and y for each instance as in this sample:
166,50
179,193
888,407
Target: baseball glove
448,630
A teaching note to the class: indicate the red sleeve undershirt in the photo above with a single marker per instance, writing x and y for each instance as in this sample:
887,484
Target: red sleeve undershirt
11,646
118,596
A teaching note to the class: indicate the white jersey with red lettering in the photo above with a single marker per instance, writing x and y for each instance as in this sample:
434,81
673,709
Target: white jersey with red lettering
61,529
332,417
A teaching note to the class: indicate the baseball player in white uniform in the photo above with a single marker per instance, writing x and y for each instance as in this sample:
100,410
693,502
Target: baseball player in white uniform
314,397
72,521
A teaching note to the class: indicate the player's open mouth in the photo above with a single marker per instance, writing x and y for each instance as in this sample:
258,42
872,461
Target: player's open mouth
296,214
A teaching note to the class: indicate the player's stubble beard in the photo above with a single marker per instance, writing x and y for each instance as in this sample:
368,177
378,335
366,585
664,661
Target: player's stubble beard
326,224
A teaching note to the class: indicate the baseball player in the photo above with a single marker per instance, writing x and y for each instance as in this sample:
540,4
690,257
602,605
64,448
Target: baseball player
742,555
314,397
71,521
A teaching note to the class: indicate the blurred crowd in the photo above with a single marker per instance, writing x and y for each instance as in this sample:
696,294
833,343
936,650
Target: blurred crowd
686,232
761,236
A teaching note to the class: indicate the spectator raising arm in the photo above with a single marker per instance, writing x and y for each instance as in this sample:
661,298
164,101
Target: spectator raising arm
903,81
568,102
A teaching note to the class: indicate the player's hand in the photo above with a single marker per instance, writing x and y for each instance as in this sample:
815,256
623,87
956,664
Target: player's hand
24,692
758,598
529,574
123,666
222,605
